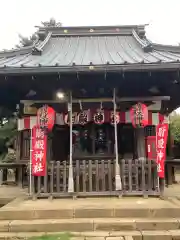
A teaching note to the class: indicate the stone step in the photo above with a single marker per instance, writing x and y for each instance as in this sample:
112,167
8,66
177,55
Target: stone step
18,214
84,225
117,235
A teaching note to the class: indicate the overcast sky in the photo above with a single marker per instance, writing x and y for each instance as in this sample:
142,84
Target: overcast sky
20,16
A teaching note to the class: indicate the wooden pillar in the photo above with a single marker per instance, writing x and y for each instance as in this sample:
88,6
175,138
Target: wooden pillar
18,146
140,138
141,152
70,178
118,183
49,149
30,165
19,170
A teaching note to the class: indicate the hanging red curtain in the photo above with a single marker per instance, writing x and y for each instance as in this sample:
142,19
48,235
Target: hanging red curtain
46,117
139,115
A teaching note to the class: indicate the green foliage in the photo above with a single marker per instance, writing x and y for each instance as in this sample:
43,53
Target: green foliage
175,127
64,236
8,132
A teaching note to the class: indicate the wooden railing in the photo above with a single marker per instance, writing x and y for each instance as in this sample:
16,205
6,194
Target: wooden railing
17,172
97,177
139,177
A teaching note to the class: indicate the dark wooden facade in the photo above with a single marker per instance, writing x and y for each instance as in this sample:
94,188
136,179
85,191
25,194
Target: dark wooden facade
95,174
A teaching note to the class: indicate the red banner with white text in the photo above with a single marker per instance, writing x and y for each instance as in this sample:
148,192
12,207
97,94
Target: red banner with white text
39,148
161,141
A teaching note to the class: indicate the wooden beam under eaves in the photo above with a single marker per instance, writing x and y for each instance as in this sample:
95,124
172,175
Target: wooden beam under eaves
94,100
143,99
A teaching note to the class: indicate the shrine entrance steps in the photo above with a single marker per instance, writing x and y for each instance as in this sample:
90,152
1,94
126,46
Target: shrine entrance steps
92,219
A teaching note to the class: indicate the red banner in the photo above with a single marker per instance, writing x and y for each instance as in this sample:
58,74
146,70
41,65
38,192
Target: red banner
39,148
161,141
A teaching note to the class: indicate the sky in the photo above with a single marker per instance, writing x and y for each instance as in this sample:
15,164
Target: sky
20,16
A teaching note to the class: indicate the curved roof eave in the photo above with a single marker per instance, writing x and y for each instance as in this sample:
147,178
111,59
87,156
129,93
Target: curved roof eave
17,51
37,46
155,46
173,66
167,48
145,43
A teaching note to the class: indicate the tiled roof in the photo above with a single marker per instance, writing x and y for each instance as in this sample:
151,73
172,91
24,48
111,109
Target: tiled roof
64,48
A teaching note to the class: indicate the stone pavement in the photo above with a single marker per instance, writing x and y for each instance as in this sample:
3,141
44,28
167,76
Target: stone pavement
93,219
21,209
8,193
133,235
11,192
89,203
126,218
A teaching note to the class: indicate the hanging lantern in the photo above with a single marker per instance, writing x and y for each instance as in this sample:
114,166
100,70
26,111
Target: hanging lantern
66,118
46,118
139,115
116,118
99,117
83,117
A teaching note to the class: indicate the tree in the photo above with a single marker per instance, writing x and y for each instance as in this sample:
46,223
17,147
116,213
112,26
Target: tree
25,41
51,23
8,132
8,120
29,41
175,127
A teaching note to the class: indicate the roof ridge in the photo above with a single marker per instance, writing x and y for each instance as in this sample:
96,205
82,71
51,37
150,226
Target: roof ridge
91,30
37,49
146,45
95,26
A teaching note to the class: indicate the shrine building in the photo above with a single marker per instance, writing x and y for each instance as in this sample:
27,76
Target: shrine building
88,75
